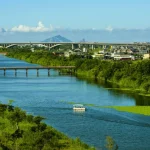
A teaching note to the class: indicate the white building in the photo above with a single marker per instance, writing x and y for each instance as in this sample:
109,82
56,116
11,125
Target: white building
122,57
84,50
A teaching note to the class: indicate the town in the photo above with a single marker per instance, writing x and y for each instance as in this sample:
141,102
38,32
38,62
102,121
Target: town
110,51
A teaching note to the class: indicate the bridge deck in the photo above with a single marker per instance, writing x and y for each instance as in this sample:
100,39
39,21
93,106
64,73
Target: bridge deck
40,67
85,43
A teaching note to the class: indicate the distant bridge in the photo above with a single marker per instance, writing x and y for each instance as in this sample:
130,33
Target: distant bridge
55,44
50,46
71,69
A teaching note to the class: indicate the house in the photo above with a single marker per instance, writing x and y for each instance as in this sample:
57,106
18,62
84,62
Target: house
144,51
122,57
129,51
146,56
98,55
32,50
68,53
78,51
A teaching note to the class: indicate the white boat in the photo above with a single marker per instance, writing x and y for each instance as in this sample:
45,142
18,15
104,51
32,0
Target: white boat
78,107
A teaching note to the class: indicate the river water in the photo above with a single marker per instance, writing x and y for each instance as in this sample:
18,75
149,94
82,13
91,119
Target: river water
52,97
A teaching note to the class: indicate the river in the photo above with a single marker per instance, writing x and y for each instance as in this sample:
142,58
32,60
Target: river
52,97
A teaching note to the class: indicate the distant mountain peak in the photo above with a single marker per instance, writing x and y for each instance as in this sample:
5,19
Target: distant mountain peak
2,30
57,38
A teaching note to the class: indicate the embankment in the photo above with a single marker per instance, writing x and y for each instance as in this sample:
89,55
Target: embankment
131,75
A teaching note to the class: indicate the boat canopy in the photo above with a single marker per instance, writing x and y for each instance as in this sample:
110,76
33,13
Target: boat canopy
77,105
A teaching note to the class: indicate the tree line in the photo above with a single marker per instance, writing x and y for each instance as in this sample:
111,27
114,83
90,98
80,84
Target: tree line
21,131
128,74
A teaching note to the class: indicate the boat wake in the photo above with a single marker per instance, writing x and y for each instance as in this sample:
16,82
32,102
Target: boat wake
108,117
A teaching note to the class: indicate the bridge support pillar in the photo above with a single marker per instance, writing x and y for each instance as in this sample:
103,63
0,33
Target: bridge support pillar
74,71
72,46
71,71
48,72
92,46
49,47
59,72
4,72
104,46
37,72
26,72
79,45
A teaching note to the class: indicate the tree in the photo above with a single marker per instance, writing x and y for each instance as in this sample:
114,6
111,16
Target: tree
17,116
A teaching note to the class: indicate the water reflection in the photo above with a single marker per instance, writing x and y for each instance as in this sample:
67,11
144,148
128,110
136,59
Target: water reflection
113,90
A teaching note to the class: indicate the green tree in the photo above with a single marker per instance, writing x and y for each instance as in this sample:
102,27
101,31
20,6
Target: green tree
16,116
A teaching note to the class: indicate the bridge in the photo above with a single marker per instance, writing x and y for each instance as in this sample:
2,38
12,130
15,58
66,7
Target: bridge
71,69
55,44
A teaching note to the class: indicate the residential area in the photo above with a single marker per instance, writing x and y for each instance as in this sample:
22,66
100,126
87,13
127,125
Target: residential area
108,52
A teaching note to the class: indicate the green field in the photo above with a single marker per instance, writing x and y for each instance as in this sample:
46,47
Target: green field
143,110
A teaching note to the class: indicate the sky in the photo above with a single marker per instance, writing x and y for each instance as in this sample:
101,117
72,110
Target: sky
46,15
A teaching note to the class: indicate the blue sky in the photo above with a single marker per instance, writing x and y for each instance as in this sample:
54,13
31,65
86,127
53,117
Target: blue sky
75,14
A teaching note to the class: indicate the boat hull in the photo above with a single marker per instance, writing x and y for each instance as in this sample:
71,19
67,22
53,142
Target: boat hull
79,109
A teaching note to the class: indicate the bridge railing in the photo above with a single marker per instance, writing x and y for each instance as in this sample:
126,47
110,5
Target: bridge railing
70,68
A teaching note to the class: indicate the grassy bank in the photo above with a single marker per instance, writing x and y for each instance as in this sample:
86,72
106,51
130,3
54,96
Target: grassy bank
143,110
26,132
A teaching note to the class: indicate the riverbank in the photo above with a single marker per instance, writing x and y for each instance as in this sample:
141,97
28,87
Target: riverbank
3,53
142,110
21,131
111,86
126,85
128,75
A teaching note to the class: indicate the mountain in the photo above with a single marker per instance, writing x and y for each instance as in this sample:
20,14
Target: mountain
2,30
115,35
57,38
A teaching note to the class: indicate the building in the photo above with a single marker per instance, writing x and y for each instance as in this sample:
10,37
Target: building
146,56
68,53
84,50
78,51
122,57
98,55
71,52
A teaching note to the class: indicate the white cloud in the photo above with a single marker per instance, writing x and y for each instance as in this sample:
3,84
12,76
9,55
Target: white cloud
39,28
109,28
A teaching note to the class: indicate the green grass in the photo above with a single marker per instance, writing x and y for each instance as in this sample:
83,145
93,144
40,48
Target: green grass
143,110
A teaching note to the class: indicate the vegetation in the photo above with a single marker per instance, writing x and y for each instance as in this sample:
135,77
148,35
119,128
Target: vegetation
134,75
19,131
143,110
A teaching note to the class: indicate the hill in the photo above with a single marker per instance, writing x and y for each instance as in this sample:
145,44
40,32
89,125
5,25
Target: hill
57,38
